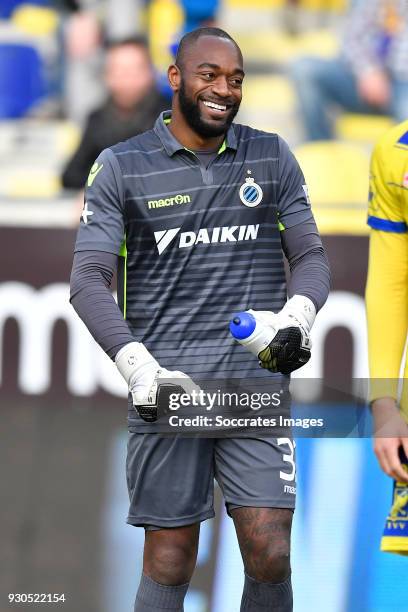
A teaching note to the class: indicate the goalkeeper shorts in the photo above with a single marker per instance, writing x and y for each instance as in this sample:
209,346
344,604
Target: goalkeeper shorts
171,479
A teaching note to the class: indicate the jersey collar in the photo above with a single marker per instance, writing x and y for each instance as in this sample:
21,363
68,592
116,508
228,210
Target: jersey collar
172,145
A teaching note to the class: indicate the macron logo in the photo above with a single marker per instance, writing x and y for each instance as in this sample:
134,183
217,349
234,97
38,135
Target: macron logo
236,233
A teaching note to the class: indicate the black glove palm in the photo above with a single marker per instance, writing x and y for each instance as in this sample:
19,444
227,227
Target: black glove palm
286,352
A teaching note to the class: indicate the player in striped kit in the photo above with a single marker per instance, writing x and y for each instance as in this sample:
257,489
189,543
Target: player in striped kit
200,212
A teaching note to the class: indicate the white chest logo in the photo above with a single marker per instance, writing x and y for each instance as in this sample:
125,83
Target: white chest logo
250,193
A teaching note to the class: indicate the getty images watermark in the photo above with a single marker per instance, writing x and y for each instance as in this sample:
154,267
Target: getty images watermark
224,399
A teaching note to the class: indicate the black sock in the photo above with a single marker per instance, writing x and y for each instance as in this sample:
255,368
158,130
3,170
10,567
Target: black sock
152,596
262,596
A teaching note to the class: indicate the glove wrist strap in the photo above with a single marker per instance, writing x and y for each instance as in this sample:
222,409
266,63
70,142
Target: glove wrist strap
302,307
132,360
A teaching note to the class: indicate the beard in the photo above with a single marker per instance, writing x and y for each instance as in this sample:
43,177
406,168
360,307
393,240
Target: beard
191,112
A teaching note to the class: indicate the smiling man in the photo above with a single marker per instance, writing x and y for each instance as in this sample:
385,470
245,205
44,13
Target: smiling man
200,211
204,114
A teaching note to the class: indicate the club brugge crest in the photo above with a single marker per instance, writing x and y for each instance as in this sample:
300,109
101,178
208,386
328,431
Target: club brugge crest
250,193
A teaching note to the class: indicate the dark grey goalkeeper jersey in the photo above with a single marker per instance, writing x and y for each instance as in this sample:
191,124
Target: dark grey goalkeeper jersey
197,244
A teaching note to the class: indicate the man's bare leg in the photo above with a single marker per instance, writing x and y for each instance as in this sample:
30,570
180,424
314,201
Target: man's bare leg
168,563
264,539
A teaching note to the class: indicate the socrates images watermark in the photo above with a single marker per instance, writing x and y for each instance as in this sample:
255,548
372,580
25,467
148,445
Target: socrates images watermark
257,422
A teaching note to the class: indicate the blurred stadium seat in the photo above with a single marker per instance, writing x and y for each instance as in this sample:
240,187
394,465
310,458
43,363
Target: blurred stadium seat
67,137
165,21
35,20
362,128
337,177
32,153
269,103
33,183
277,49
324,5
7,7
262,4
22,82
312,5
268,92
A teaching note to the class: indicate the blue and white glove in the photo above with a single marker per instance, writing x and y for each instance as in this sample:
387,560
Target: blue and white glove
147,381
291,344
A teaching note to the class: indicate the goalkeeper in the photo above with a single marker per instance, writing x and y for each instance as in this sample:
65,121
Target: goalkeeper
387,315
201,212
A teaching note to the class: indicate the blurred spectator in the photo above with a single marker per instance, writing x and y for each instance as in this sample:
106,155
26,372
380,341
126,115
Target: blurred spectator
132,107
83,35
369,76
84,31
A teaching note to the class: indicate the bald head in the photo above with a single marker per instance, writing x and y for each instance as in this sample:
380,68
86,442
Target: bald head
190,39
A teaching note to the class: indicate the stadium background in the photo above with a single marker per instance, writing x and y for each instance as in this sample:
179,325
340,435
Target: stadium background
63,490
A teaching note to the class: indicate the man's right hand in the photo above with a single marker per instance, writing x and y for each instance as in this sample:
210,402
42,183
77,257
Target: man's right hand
145,378
391,432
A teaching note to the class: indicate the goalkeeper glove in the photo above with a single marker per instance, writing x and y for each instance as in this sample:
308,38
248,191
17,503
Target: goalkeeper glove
290,346
147,381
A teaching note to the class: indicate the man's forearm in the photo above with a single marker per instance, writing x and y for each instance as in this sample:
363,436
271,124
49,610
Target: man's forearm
91,276
309,266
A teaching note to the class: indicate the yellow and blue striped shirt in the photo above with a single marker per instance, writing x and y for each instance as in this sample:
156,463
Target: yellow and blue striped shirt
387,283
